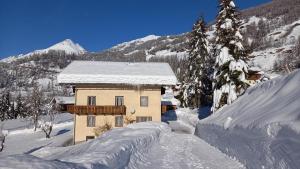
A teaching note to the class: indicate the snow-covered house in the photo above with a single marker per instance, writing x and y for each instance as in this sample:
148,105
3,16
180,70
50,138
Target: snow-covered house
62,102
254,74
114,93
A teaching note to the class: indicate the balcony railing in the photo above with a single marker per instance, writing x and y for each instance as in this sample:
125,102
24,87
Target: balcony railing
97,110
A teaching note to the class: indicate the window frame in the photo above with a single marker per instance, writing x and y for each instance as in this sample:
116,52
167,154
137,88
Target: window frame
140,119
116,100
116,121
144,105
87,138
93,121
89,98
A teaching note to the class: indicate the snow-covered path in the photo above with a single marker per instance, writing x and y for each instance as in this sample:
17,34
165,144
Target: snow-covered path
140,145
178,151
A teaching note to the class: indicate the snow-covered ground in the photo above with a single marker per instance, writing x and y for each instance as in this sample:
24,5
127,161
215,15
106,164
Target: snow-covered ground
124,45
262,128
259,130
22,139
141,145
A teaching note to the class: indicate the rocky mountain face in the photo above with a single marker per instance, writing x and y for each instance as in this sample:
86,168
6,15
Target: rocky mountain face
271,31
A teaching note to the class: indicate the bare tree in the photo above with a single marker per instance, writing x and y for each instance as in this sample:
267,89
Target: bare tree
47,125
290,61
35,105
3,134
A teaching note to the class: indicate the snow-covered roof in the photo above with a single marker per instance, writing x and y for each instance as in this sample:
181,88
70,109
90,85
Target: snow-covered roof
64,100
138,73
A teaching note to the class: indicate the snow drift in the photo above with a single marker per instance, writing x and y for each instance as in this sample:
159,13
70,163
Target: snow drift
262,128
118,148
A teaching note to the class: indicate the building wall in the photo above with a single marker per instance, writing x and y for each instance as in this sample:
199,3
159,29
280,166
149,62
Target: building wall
105,96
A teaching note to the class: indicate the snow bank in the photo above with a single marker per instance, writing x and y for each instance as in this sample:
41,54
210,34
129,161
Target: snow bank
169,99
184,120
262,128
118,148
21,137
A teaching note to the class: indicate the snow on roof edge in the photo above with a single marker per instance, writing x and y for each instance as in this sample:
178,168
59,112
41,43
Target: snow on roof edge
152,73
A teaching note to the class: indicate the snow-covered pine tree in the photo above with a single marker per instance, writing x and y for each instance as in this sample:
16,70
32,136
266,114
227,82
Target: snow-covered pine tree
2,115
12,112
197,83
5,106
20,110
230,66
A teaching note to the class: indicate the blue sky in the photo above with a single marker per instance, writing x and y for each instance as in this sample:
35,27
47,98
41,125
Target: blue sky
27,25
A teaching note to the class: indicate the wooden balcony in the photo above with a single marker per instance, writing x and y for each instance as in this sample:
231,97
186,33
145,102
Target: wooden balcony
97,110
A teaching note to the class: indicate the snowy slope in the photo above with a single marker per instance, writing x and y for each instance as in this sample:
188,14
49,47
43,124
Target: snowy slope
141,145
22,139
68,46
139,41
262,128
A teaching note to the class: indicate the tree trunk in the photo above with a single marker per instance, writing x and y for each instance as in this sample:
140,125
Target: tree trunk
287,69
2,144
48,132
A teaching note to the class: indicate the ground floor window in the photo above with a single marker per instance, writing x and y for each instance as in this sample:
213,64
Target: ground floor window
144,101
91,121
119,121
89,138
143,118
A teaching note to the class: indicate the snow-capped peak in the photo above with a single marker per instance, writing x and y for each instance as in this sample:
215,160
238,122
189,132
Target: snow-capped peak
68,46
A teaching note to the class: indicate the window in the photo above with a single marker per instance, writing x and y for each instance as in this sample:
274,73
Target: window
91,121
119,121
87,138
143,118
144,101
119,101
91,100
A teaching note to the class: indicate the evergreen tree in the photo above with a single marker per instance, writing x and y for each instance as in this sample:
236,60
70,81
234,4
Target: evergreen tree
230,66
5,106
2,115
20,110
197,82
12,112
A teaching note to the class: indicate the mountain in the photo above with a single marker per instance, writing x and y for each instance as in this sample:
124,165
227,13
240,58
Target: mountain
67,46
270,31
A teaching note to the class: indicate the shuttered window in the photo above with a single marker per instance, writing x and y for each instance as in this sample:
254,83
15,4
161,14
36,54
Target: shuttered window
119,121
143,118
91,121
